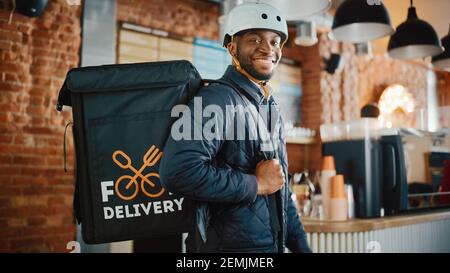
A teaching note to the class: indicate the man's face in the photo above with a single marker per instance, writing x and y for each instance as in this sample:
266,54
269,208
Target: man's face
258,52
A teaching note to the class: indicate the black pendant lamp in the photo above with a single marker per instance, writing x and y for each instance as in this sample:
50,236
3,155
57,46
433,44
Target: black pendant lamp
357,21
31,8
443,60
414,39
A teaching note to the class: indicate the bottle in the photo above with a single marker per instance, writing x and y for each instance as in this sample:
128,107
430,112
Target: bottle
317,207
304,180
301,190
316,183
350,201
338,200
328,171
309,186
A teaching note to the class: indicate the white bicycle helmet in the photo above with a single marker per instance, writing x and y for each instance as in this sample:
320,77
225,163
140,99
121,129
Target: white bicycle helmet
254,16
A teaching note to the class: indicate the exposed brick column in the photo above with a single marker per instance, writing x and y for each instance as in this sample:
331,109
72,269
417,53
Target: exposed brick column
35,193
310,104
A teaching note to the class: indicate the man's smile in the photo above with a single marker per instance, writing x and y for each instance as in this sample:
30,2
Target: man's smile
265,60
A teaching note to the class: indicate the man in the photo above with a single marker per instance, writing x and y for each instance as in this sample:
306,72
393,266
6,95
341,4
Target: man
241,184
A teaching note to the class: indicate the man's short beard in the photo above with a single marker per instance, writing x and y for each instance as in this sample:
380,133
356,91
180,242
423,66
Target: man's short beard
249,68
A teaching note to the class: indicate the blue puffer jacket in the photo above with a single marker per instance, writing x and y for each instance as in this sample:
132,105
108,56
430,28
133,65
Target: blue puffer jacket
220,174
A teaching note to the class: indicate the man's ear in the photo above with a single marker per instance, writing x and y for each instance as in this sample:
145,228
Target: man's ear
232,48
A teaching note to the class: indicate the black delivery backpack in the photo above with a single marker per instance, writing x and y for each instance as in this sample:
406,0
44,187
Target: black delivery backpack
121,120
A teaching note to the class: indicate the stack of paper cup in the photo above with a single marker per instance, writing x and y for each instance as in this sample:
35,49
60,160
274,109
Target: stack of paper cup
338,200
328,171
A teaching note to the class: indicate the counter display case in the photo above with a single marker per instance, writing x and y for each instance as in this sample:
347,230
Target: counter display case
426,232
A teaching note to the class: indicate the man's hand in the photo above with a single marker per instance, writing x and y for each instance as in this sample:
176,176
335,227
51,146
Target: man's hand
270,176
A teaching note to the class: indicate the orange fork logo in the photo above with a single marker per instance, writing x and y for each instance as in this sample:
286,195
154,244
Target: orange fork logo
150,159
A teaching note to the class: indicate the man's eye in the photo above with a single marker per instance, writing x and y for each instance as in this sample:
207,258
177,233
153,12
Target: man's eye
255,41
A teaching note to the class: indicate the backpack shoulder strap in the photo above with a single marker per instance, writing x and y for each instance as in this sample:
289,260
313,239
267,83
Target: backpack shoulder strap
229,84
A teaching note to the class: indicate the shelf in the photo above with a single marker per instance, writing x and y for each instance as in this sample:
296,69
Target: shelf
299,140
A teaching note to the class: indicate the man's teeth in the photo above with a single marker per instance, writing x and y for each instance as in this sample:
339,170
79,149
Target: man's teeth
265,60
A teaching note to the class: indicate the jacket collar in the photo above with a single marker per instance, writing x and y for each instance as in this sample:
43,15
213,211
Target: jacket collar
234,76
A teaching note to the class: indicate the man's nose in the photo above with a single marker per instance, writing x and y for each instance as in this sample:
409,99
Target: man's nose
266,46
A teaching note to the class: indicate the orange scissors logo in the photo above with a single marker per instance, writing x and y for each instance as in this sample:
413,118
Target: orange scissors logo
150,159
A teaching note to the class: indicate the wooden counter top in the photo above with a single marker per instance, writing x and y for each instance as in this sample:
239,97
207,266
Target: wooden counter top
361,225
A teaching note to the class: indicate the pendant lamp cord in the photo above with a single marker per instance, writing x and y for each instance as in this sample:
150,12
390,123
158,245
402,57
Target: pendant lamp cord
12,11
412,4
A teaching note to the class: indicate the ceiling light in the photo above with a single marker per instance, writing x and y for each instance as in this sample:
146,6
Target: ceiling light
357,21
306,34
443,60
414,38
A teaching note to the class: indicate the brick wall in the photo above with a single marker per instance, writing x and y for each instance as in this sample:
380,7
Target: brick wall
306,156
443,83
35,55
443,86
35,193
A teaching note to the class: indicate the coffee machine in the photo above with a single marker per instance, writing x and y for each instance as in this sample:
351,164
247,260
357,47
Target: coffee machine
372,161
392,171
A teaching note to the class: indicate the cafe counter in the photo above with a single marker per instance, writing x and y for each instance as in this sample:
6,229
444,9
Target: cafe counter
418,232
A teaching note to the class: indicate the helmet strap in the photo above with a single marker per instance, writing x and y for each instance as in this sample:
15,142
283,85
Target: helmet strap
263,84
